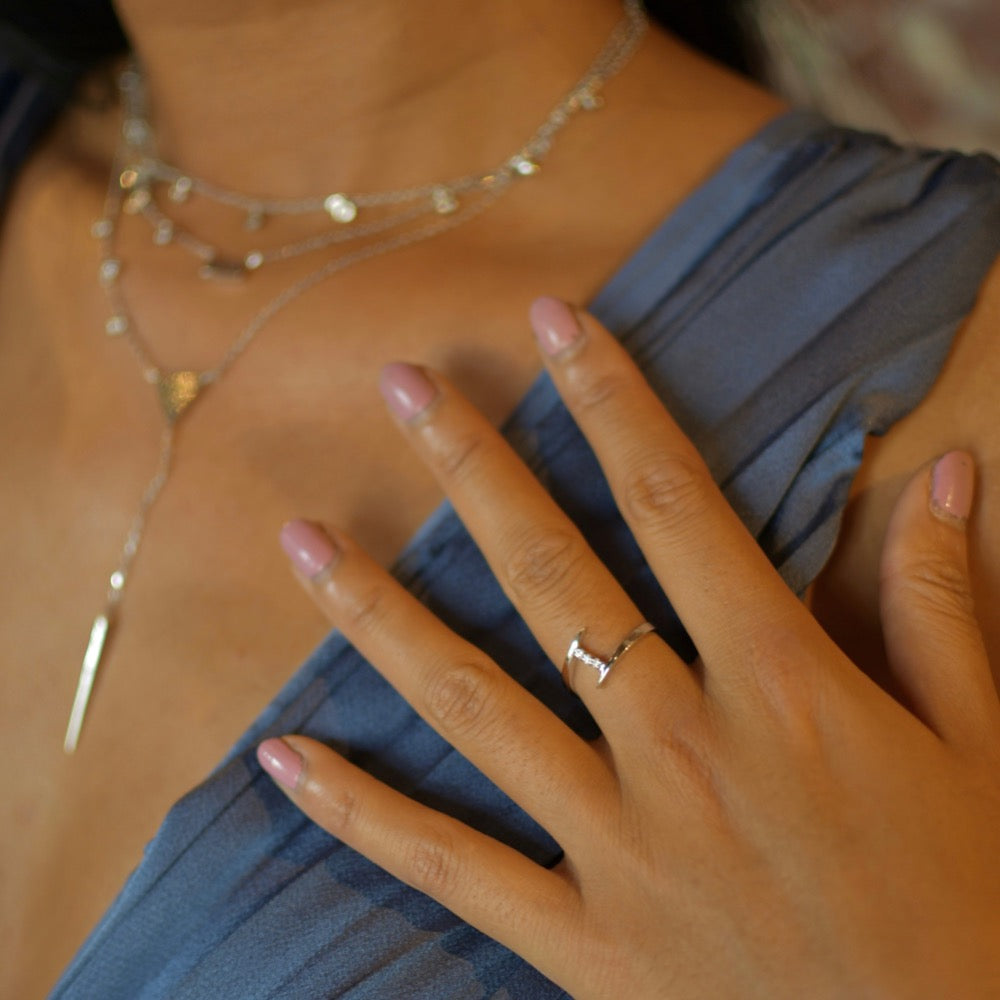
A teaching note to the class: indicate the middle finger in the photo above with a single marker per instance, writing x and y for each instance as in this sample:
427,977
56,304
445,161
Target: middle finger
539,557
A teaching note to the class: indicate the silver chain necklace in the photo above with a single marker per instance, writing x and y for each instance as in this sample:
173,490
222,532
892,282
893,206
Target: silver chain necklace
134,173
344,214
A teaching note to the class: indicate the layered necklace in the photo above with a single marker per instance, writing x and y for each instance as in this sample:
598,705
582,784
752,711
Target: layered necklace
350,228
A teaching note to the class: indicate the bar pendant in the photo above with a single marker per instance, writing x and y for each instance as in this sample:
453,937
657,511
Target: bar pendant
88,671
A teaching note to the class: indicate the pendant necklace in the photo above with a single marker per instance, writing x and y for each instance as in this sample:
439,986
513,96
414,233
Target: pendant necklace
376,223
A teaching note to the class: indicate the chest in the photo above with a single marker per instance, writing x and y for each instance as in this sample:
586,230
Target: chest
211,624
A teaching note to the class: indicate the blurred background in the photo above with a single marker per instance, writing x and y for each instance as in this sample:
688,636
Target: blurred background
920,70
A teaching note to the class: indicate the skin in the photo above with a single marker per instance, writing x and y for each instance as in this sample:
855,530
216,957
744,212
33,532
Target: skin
213,626
867,869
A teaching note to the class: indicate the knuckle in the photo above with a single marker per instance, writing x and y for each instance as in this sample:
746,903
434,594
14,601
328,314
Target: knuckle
541,561
666,490
936,585
458,699
340,811
458,455
687,744
365,611
432,865
594,390
782,669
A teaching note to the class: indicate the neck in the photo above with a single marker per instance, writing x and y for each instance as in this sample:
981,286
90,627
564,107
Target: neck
295,97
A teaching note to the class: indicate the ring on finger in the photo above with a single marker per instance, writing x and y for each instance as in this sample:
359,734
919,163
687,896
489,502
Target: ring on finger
576,651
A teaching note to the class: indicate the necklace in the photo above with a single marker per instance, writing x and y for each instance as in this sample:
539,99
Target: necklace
135,170
343,213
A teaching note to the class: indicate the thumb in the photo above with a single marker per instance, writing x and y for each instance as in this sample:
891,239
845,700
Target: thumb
933,641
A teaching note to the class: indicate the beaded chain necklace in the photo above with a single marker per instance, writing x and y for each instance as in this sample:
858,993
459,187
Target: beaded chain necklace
359,226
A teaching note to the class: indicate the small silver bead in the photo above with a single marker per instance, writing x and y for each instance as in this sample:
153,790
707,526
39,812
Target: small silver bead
340,208
444,201
102,229
135,131
117,580
163,233
524,165
139,198
109,270
179,190
116,326
253,260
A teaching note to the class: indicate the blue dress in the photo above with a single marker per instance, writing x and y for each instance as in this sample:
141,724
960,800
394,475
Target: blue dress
803,297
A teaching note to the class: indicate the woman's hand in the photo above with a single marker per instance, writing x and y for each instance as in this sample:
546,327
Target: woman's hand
767,823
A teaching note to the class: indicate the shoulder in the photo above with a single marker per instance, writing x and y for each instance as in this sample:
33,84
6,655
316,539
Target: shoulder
840,257
959,411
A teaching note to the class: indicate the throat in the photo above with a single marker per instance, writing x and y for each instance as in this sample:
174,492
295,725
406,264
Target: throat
285,99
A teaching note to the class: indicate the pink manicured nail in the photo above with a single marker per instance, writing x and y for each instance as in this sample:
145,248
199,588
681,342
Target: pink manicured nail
953,485
555,325
308,547
406,389
281,762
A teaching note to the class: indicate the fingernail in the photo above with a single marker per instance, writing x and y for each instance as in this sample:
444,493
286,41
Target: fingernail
308,547
406,389
952,486
555,324
281,762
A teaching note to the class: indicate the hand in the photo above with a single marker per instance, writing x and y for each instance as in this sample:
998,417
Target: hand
766,823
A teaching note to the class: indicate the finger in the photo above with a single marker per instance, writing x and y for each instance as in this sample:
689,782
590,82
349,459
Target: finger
715,575
934,644
487,716
527,908
539,557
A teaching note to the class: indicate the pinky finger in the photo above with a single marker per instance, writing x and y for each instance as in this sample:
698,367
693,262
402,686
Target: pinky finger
491,886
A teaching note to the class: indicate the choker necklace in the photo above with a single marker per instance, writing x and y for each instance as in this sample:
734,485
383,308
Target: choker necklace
407,216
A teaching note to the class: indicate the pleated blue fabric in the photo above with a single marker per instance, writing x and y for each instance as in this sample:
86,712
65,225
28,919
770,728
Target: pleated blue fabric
805,296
